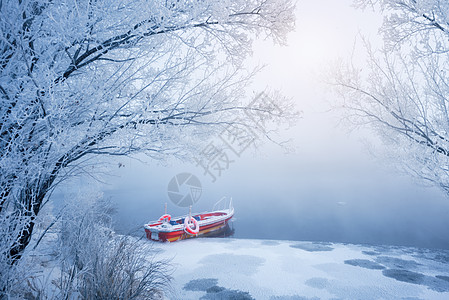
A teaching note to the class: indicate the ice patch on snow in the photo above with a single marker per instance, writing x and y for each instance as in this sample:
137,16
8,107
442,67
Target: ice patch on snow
395,263
443,277
223,293
433,283
213,291
318,283
371,253
364,263
404,275
201,284
312,247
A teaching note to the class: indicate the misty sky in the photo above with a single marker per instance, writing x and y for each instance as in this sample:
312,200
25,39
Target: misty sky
330,189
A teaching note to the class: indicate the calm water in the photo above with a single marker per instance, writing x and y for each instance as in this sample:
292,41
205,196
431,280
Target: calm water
313,209
291,200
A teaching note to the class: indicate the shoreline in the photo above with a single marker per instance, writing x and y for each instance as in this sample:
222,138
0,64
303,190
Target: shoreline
220,268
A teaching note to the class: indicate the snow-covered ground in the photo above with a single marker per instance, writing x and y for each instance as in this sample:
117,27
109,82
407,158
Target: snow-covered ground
213,268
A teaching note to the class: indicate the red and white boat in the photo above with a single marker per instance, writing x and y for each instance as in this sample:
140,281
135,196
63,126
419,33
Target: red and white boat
168,229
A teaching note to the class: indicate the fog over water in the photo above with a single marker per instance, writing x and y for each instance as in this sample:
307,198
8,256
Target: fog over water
330,189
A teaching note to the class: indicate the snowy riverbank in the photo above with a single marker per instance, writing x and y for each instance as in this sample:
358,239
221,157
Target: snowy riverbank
262,269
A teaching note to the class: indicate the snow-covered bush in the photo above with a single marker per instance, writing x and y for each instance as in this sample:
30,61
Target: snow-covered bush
120,270
80,257
97,264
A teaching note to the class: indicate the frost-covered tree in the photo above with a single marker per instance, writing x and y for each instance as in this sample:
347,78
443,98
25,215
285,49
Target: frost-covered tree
403,92
82,78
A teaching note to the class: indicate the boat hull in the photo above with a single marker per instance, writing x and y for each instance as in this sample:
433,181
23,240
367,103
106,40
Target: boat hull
208,223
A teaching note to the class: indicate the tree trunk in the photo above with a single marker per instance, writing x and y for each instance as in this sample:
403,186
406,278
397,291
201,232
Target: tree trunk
31,199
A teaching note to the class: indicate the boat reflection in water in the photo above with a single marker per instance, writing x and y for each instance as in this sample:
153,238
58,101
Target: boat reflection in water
224,232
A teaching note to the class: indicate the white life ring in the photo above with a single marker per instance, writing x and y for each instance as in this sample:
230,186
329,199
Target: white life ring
165,218
188,226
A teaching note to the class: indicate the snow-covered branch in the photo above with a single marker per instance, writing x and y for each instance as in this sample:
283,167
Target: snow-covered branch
85,78
403,92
